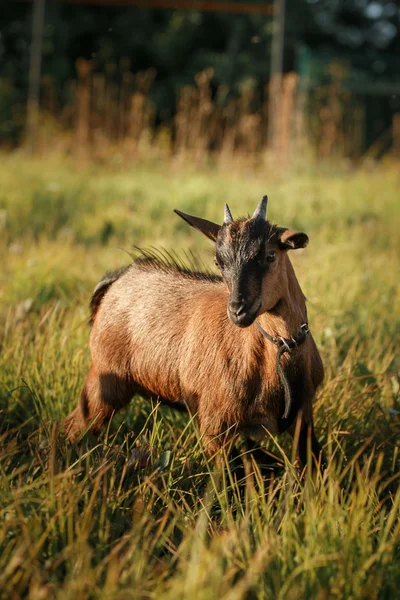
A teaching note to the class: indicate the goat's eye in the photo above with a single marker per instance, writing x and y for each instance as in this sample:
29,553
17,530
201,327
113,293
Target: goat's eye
217,264
271,256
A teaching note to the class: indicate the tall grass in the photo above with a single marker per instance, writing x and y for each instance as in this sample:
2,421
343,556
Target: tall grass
99,111
139,512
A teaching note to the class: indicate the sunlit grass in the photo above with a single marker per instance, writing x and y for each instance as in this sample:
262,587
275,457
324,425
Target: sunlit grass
98,520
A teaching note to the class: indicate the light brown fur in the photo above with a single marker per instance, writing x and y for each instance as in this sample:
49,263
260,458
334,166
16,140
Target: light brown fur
161,333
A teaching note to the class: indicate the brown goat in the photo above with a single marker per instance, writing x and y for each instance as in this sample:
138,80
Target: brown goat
190,339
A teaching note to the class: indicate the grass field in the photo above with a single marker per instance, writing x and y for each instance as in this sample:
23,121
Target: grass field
90,521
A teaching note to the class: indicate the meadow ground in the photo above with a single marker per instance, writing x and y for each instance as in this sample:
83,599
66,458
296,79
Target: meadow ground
90,521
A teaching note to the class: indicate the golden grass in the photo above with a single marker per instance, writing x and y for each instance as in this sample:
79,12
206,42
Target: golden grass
90,521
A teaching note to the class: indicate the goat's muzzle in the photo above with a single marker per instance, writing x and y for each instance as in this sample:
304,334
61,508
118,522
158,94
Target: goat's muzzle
242,315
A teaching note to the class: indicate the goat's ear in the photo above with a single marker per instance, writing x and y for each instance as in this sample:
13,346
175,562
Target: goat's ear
291,240
207,227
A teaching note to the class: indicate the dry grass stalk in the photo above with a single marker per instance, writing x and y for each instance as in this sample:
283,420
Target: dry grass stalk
286,117
84,68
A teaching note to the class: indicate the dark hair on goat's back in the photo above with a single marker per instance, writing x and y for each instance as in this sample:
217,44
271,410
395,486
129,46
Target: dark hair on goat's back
188,265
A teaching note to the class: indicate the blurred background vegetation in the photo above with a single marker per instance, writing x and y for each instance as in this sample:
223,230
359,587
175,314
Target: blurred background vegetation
179,80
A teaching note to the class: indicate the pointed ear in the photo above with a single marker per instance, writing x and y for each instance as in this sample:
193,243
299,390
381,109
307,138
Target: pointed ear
207,227
292,240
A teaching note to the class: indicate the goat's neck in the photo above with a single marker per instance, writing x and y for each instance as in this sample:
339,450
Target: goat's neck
287,316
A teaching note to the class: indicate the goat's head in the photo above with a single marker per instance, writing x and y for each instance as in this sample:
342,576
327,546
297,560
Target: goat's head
251,256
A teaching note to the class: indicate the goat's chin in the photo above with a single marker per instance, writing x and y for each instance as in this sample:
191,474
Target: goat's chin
244,321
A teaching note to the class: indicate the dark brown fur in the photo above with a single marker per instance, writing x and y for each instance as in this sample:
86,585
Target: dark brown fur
161,330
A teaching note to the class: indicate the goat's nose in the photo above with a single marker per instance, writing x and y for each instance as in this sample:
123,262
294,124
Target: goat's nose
238,308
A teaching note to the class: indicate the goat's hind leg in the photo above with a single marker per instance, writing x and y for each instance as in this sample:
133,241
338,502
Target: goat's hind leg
102,394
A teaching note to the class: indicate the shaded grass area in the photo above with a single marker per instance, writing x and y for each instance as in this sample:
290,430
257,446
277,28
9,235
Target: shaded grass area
98,519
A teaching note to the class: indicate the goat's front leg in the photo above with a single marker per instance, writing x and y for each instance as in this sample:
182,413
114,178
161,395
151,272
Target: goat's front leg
303,434
215,434
265,462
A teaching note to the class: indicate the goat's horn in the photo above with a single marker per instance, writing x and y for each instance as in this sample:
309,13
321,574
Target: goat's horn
261,210
227,215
